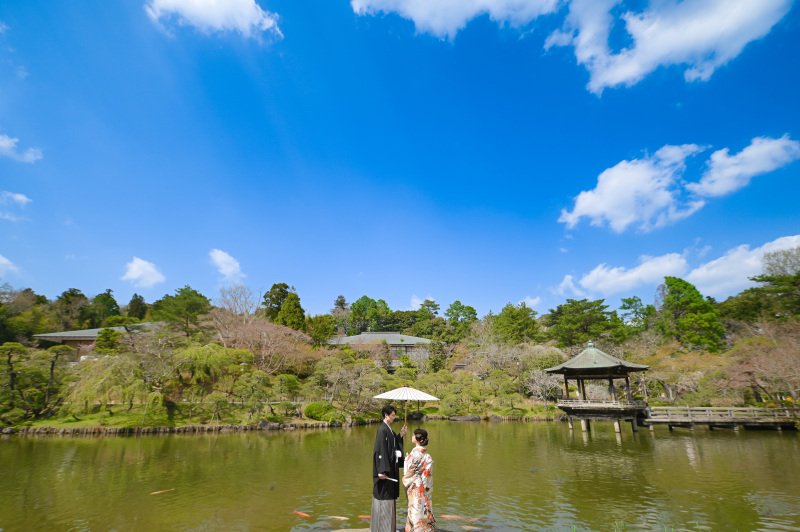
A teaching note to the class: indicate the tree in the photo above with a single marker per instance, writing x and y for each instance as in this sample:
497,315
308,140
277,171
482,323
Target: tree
366,314
13,352
460,317
542,385
639,315
689,318
321,327
137,308
102,306
273,300
55,353
70,308
183,310
781,263
782,293
515,324
578,321
341,314
291,313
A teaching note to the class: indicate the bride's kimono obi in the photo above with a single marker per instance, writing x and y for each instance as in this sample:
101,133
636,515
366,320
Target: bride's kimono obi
418,481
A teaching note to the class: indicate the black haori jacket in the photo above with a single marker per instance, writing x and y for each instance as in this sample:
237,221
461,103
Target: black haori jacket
385,460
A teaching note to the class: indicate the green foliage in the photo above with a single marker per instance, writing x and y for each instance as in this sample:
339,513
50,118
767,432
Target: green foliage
102,307
515,324
460,317
137,308
291,313
286,385
183,310
638,316
436,357
108,341
321,328
688,317
782,292
317,410
273,300
578,321
366,314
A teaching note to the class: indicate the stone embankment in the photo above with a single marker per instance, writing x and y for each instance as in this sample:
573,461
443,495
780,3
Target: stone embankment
263,425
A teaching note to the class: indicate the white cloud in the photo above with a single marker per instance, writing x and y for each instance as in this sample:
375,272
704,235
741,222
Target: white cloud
142,273
531,302
226,265
8,148
416,302
3,27
700,34
244,16
444,18
568,285
650,192
642,192
13,197
729,274
729,173
651,270
6,267
16,200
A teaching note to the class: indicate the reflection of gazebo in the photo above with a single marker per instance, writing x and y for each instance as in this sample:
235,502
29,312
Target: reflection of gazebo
593,364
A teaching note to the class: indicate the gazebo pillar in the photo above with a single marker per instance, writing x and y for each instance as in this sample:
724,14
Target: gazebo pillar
566,387
628,388
613,392
582,386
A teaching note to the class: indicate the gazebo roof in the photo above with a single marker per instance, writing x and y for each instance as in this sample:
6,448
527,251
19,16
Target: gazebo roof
592,361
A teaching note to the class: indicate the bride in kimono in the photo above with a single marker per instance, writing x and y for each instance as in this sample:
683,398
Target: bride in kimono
418,481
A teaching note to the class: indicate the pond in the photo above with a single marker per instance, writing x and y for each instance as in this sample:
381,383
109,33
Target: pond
510,476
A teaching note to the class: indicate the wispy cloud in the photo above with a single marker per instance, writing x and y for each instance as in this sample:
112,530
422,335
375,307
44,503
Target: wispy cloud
531,302
444,18
700,35
650,192
608,280
15,200
6,267
729,173
8,148
142,273
568,287
416,302
227,266
641,192
244,16
730,273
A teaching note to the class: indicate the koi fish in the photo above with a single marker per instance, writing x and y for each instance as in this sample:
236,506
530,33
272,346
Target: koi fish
301,514
451,517
339,517
469,527
364,517
162,491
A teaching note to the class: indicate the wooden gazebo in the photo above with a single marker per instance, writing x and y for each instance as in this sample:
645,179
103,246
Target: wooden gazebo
593,364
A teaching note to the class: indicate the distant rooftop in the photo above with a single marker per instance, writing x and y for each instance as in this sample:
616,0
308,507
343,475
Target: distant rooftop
84,334
392,338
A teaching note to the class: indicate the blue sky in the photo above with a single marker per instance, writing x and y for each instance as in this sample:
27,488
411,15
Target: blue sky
489,151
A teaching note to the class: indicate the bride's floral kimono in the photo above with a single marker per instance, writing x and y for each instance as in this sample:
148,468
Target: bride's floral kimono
418,480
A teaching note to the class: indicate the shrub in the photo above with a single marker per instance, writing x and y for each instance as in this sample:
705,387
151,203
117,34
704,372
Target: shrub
332,416
12,417
318,410
451,406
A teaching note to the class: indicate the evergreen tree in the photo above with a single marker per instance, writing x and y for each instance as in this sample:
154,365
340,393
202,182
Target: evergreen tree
291,313
183,310
273,300
515,324
688,317
578,321
137,308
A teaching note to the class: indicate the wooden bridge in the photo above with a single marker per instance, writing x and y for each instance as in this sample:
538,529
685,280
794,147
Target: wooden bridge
721,417
639,414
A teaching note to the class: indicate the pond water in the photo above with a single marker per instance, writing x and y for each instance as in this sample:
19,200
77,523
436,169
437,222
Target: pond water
511,476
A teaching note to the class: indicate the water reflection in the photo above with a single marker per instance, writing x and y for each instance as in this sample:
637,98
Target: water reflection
513,476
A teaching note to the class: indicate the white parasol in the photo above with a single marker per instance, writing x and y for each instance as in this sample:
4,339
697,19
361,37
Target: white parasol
406,393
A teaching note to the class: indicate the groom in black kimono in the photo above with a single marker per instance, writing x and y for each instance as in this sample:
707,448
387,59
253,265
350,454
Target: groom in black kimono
387,458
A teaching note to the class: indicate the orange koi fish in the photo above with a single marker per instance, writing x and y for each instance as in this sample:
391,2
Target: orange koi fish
364,517
301,514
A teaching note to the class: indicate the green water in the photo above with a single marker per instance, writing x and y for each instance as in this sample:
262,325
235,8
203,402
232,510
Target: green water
513,476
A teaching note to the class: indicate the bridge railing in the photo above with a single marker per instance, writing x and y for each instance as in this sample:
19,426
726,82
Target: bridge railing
722,413
599,403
